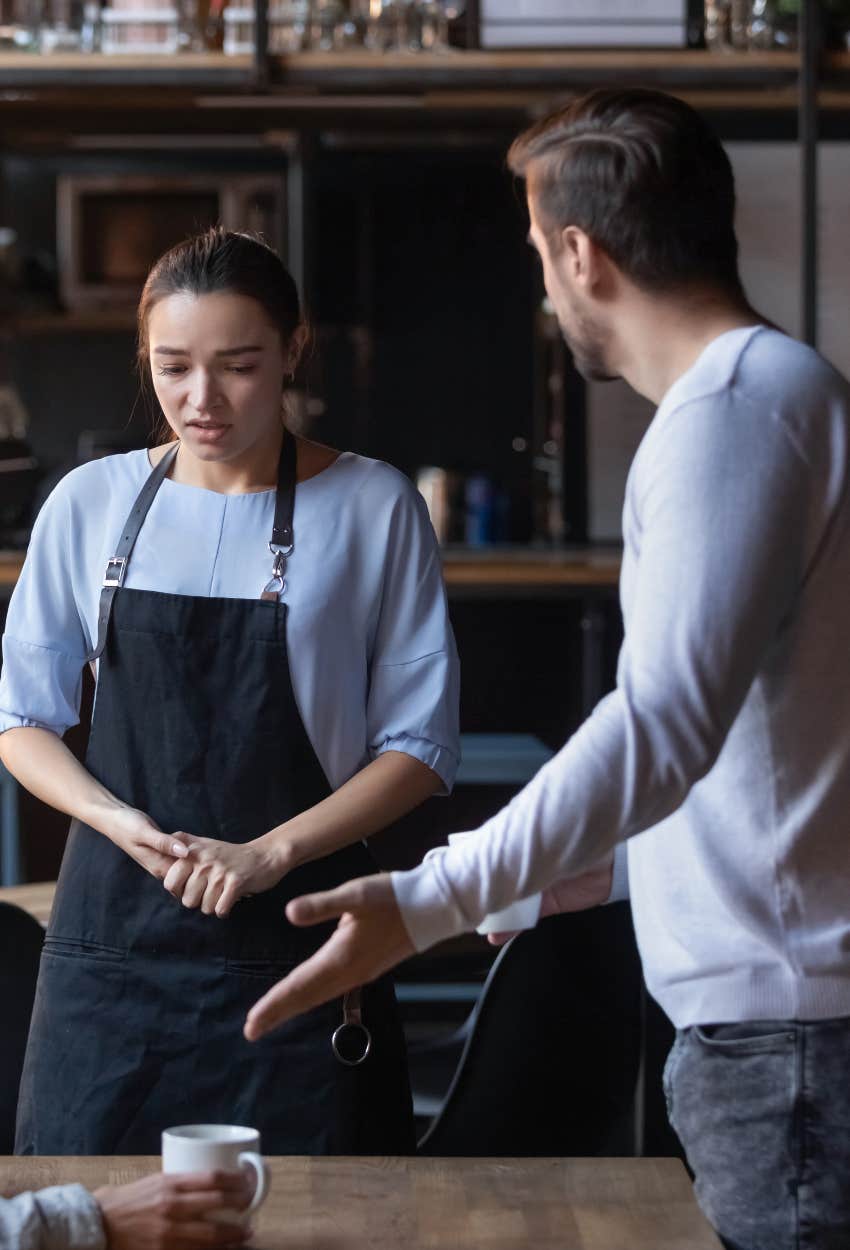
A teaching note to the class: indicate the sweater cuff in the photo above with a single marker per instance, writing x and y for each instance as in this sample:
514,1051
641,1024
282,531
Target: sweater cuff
620,876
429,911
71,1218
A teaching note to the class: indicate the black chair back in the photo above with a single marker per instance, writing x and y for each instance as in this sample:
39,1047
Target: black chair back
551,1062
21,939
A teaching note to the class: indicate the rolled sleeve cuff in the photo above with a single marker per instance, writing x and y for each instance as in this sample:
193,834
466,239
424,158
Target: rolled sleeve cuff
438,758
429,911
620,875
39,687
56,1218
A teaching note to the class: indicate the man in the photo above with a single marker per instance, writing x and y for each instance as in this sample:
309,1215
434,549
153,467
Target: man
159,1212
723,756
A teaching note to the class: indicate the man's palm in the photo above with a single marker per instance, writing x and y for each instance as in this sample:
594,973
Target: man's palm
369,940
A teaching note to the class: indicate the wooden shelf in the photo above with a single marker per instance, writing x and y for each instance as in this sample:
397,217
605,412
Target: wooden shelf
368,71
186,69
455,82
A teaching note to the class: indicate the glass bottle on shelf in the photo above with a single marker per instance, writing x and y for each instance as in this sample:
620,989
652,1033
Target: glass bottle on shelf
718,20
762,29
328,20
739,24
384,23
21,25
61,26
289,26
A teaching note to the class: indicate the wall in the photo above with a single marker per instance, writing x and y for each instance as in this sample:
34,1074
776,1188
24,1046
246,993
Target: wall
769,232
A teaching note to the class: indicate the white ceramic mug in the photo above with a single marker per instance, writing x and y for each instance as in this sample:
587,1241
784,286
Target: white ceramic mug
213,1148
523,914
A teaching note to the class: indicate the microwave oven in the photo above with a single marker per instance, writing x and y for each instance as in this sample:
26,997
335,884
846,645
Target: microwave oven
112,227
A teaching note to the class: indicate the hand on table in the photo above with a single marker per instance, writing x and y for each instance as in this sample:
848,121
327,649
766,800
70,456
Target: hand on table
168,1212
369,940
215,875
572,894
142,839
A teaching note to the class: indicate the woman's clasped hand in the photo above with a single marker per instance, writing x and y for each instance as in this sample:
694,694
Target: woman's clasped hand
214,875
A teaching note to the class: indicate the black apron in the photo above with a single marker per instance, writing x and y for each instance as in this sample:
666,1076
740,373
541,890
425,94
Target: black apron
138,1016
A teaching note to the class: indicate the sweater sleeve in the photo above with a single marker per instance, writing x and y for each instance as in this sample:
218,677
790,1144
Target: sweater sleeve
64,1217
413,702
45,641
723,502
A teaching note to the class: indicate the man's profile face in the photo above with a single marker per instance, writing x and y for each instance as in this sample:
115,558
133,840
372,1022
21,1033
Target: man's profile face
583,334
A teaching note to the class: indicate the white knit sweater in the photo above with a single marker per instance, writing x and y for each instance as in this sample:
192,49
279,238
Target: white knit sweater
723,755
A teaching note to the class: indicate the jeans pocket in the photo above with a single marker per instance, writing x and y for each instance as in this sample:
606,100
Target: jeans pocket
77,948
757,1037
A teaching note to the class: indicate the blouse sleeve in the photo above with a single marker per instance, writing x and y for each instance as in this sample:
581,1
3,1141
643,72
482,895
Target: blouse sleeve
45,642
414,679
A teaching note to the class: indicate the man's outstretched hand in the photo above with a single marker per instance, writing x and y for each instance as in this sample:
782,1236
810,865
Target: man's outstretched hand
369,940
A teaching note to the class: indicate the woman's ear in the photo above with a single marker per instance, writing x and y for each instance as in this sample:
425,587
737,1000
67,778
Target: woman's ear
295,348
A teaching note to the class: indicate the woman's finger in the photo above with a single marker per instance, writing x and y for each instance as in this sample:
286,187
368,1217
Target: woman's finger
229,895
175,845
157,865
211,895
177,876
193,891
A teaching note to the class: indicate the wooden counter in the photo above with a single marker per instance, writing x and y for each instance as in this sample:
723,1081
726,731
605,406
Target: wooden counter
446,1204
481,570
37,898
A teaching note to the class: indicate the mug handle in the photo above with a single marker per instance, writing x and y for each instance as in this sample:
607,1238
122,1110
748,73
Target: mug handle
250,1159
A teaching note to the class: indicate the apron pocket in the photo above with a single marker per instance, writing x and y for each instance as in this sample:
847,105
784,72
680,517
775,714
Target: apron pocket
262,969
76,948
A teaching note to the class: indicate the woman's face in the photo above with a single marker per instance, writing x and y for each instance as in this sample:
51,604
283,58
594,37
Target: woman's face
218,367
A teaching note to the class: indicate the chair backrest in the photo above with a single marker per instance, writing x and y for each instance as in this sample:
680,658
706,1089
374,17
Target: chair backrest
551,1062
21,939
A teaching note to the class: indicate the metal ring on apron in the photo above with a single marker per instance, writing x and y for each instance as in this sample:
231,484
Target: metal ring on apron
351,1041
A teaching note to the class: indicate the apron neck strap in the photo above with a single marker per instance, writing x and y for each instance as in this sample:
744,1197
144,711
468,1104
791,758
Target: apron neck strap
282,532
116,565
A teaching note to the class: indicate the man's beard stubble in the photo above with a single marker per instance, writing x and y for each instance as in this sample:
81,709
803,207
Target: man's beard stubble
587,347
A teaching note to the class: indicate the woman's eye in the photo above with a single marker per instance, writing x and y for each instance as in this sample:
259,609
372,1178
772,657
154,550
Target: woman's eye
171,371
240,368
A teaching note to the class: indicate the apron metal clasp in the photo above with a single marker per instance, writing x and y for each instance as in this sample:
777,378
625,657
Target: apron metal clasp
352,1041
276,584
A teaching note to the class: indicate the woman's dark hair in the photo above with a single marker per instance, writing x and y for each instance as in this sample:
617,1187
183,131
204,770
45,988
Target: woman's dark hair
645,177
221,261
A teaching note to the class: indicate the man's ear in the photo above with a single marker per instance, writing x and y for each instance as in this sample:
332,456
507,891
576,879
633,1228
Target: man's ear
580,256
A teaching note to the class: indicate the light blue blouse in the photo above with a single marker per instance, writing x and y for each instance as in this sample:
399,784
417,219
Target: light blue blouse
371,652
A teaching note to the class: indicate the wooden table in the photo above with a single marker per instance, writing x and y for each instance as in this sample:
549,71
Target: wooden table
456,1204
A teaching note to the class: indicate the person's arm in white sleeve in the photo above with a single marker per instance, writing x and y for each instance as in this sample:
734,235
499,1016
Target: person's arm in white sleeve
163,1211
64,1217
724,513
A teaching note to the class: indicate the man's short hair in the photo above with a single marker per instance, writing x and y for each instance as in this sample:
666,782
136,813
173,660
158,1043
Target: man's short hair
645,177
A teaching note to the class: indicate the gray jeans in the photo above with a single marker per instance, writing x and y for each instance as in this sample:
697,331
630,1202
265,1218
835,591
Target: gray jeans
763,1112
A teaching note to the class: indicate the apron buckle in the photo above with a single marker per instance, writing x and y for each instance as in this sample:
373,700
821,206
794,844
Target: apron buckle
351,1041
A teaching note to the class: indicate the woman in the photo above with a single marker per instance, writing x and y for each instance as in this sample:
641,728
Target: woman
276,679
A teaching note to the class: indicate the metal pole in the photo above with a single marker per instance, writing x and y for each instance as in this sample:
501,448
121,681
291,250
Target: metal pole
807,135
